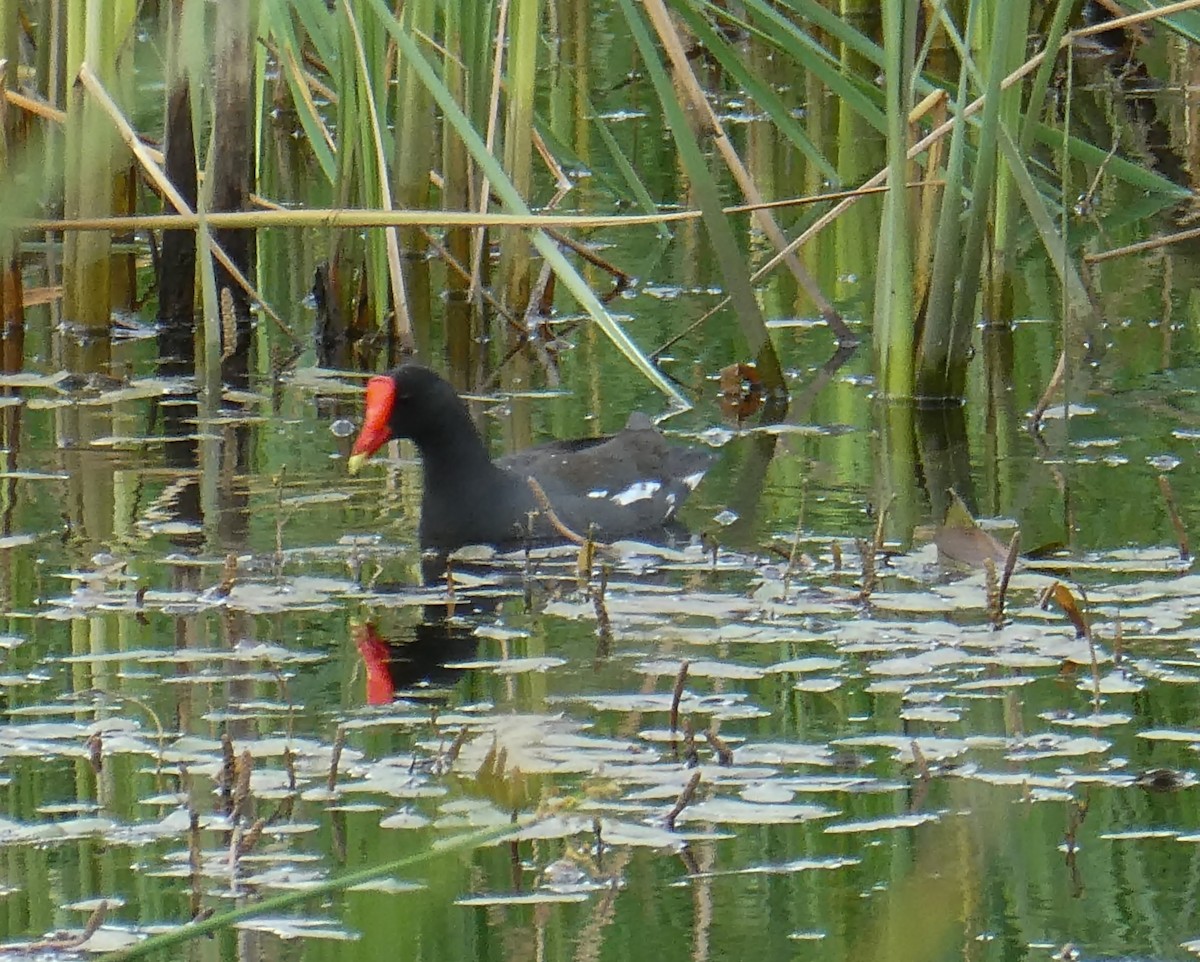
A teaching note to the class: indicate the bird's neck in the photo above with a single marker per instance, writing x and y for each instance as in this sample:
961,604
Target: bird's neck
452,451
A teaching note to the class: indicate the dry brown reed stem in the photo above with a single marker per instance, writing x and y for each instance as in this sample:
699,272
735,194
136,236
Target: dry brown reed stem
131,140
920,760
1047,398
289,767
228,775
685,797
717,744
456,746
1010,564
584,562
600,606
677,693
881,523
279,486
195,861
866,552
1095,672
562,182
228,325
95,748
691,757
249,838
95,920
1061,595
1142,246
995,607
241,793
1181,535
556,523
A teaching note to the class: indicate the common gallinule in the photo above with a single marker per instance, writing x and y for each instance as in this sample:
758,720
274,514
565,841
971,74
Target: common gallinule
628,484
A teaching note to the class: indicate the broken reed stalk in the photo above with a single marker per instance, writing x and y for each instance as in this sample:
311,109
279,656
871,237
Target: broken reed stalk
95,920
603,622
723,751
1164,485
95,748
585,560
866,552
795,550
335,756
1095,672
250,838
881,523
289,766
228,776
555,522
241,791
691,757
682,802
677,694
995,606
1061,595
228,325
195,861
278,495
920,761
456,746
228,576
1010,564
1047,398
281,680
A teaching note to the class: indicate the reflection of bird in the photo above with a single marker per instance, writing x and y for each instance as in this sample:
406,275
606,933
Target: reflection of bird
628,484
414,666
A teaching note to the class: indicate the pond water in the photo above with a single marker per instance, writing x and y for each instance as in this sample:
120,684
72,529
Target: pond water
205,614
889,776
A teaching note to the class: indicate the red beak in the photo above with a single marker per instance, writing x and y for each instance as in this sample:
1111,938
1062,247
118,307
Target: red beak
381,395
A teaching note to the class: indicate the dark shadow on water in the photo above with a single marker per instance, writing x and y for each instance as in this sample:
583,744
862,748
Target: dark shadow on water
944,457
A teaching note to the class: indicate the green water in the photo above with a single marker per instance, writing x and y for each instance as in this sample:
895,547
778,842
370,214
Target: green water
1023,820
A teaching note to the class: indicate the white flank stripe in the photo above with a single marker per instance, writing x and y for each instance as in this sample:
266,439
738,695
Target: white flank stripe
638,491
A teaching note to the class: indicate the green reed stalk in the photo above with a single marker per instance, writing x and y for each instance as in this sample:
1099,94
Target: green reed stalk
463,19
895,316
89,155
232,152
412,160
10,268
966,309
999,288
525,17
373,75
